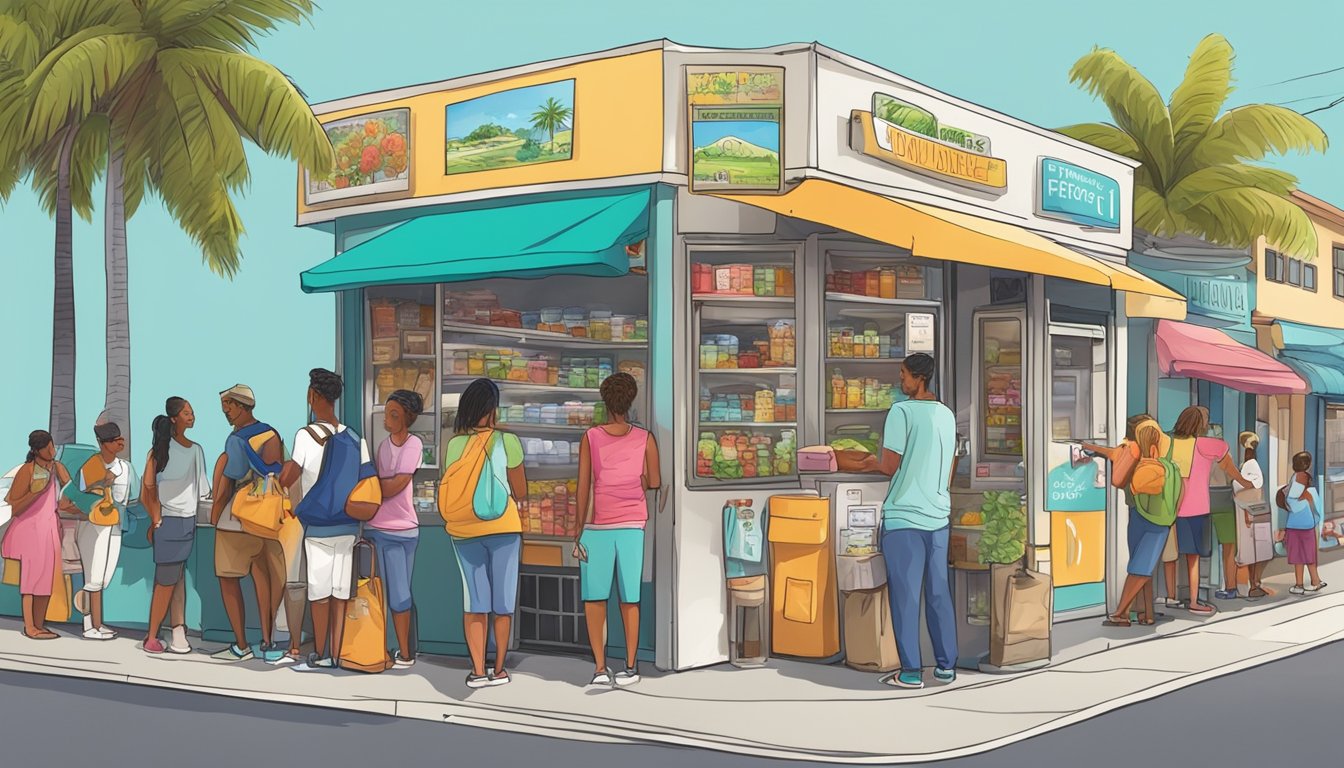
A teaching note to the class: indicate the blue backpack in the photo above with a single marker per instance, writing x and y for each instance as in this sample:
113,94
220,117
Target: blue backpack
260,467
342,470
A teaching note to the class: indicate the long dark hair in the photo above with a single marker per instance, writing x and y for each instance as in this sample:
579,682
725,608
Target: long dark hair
37,440
1193,422
163,431
480,399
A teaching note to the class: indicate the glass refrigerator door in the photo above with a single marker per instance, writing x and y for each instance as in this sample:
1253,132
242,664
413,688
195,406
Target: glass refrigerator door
745,416
879,307
1000,398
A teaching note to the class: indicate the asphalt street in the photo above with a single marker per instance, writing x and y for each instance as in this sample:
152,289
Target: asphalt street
1284,713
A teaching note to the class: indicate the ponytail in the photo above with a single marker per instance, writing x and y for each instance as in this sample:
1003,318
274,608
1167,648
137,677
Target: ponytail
37,440
163,431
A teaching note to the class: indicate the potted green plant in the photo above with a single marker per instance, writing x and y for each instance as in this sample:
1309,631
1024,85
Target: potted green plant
1004,542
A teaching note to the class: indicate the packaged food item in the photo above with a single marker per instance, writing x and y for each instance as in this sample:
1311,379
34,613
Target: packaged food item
383,319
426,315
408,315
385,351
887,283
635,369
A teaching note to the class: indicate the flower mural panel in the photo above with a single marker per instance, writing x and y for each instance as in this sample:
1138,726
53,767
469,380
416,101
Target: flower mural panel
372,157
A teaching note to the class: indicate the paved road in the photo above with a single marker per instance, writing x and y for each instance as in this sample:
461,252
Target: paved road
1283,713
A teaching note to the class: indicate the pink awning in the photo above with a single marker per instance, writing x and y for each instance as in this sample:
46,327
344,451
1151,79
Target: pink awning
1196,352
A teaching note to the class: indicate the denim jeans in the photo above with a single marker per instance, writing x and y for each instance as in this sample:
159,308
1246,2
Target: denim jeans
917,567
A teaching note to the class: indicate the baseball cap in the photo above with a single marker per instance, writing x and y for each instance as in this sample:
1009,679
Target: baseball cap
240,393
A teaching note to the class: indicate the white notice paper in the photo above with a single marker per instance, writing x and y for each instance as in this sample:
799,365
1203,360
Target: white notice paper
919,332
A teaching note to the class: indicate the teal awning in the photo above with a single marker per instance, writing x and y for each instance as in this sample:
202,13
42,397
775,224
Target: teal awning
1317,354
573,236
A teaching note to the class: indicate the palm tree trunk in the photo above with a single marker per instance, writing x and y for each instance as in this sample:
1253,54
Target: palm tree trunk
63,306
117,402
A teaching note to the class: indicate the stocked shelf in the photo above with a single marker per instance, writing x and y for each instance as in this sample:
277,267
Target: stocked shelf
524,386
538,338
852,298
882,411
729,299
770,371
530,428
865,360
745,424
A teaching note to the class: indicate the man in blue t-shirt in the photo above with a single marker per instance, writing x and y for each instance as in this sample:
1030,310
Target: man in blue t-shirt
919,455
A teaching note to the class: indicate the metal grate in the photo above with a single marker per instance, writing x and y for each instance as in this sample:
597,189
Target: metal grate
550,612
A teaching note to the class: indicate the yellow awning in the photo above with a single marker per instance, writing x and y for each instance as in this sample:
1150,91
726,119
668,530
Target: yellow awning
935,233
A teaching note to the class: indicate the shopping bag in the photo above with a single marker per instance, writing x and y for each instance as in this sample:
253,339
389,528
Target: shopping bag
260,507
1023,606
58,610
870,641
364,644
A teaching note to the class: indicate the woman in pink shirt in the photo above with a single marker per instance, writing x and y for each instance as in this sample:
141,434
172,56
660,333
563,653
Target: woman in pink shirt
1196,454
395,529
618,464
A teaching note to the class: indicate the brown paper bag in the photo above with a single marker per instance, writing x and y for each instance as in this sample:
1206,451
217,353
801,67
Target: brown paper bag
870,642
1023,607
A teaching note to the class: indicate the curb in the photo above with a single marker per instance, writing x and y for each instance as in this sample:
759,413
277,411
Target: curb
578,727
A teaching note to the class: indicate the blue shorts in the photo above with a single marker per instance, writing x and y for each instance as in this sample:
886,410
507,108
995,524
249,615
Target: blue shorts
396,563
1192,535
489,567
614,552
1146,542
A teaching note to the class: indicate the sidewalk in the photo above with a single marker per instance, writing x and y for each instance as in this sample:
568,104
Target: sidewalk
851,719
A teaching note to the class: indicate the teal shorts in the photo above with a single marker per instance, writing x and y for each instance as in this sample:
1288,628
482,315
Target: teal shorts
616,553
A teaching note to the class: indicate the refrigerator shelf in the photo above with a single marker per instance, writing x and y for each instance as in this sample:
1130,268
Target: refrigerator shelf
744,424
882,411
853,298
525,336
522,386
770,371
535,428
715,298
847,360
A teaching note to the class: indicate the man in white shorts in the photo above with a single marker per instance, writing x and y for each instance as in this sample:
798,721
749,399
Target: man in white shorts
328,550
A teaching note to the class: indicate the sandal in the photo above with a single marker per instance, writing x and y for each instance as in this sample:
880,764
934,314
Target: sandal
1317,587
1202,610
1116,621
1147,621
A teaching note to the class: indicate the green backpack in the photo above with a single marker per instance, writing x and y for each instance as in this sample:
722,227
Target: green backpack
1160,508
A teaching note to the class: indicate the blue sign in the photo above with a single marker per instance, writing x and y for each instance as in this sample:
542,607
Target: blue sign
1075,194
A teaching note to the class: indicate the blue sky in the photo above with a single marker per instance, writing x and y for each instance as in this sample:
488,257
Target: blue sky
195,334
762,134
511,109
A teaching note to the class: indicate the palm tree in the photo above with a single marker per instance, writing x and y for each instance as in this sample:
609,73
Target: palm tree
1198,175
551,117
177,126
185,95
61,149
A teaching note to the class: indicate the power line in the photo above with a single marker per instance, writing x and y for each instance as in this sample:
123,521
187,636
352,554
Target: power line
1334,103
1305,77
1308,98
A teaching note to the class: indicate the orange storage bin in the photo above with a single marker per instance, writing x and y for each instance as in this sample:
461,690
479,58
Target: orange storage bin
805,606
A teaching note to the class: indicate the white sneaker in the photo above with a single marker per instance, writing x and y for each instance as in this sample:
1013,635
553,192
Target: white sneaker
95,634
179,643
107,632
400,663
88,624
499,678
601,680
627,676
286,659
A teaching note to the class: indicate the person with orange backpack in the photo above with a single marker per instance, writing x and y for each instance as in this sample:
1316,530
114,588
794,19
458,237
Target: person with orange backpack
483,476
1156,487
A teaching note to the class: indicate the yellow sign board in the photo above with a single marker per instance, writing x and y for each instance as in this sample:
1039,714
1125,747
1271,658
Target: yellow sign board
892,144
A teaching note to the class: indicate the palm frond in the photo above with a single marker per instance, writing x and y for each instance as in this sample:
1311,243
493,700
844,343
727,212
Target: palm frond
1199,98
263,103
225,24
1104,136
1236,217
1191,190
19,43
1255,131
209,218
1135,105
83,71
197,138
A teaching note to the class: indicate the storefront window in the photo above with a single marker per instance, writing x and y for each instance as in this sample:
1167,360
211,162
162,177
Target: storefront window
879,308
1333,465
402,354
1001,360
746,369
1078,384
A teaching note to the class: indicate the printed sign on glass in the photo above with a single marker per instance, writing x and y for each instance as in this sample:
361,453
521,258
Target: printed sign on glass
1072,193
736,129
919,336
522,126
372,154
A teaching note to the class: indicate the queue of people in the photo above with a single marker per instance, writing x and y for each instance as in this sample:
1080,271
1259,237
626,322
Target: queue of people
1167,479
336,494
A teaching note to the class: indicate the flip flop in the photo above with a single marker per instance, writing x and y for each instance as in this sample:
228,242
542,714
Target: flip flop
1317,587
1202,610
1116,621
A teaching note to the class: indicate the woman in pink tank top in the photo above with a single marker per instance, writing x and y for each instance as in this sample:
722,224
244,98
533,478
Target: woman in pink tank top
618,465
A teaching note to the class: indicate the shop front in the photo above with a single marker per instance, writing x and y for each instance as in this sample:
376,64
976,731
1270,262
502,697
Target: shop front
1209,360
759,237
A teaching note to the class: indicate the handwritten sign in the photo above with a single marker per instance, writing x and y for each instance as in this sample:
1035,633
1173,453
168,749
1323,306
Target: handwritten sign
919,332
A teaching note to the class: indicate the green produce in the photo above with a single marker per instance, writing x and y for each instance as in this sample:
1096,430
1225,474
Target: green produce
1004,541
849,444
